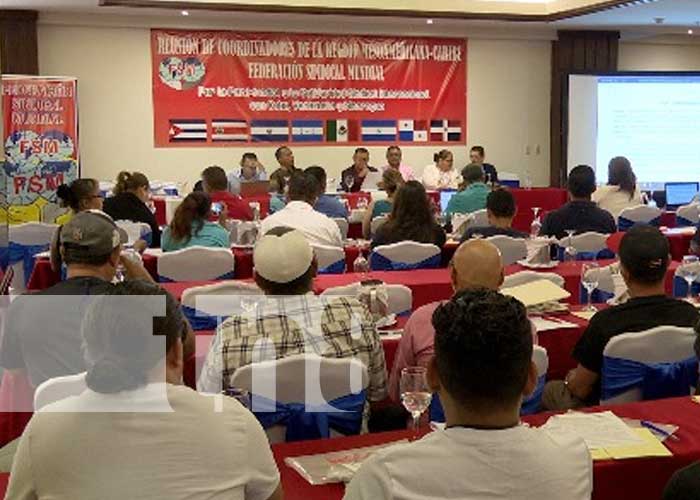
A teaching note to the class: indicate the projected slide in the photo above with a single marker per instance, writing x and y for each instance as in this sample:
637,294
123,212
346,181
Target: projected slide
652,120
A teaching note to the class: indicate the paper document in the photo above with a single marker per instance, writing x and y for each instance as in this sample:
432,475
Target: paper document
598,430
546,324
649,447
537,292
587,315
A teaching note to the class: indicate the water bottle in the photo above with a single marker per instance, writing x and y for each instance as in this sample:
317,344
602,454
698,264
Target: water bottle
360,265
528,180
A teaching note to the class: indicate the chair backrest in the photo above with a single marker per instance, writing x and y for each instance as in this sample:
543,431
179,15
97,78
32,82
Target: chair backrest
405,255
688,215
342,225
639,214
400,296
58,388
533,402
512,249
376,223
589,242
331,260
135,230
25,241
541,360
106,188
215,299
460,223
196,263
479,218
663,344
32,233
296,379
243,232
524,277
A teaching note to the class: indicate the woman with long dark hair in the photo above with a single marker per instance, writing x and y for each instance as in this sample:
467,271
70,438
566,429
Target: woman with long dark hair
131,195
411,219
190,225
621,190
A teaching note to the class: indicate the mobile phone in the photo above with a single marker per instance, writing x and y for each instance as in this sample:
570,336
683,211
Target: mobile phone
216,208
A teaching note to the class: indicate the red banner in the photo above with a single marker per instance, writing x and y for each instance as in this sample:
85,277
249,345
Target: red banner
221,88
40,120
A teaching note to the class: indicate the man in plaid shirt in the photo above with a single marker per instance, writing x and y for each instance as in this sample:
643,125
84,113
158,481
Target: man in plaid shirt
290,320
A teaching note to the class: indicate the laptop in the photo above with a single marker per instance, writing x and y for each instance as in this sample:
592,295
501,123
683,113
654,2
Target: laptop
445,197
680,193
255,188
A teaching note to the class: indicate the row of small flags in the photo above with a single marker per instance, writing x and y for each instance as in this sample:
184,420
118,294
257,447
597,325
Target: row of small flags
233,130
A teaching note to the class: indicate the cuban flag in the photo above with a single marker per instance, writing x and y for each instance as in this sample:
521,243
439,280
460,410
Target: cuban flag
229,130
269,130
445,130
185,130
307,130
379,130
413,131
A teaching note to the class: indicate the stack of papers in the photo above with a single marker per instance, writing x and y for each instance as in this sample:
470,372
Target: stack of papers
537,292
546,324
607,436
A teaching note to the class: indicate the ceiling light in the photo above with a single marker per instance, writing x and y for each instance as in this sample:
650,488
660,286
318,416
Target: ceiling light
185,13
429,21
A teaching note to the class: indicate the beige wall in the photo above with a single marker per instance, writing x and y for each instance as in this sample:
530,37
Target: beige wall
659,57
508,107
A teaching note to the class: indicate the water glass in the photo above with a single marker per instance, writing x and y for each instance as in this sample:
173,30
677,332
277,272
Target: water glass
415,393
589,280
689,270
570,252
536,223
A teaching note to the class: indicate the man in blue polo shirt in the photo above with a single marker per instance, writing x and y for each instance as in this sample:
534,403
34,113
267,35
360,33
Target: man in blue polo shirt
328,205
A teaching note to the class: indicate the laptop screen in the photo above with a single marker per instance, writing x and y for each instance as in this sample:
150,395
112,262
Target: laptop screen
445,197
680,193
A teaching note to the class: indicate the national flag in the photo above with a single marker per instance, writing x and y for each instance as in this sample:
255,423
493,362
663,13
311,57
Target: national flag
413,130
341,130
269,130
445,130
187,130
307,130
229,130
379,130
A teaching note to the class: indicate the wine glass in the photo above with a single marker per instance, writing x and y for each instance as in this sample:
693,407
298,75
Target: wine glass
536,223
415,394
570,252
589,279
689,270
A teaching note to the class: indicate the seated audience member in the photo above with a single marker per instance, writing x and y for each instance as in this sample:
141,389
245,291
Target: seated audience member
500,208
280,177
131,195
251,171
644,259
473,195
216,186
326,204
135,407
90,246
482,369
684,484
191,226
411,219
441,174
391,182
360,171
284,269
477,155
476,264
580,214
299,214
393,159
621,191
695,242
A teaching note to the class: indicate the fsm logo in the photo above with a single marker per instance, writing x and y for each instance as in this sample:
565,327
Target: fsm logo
181,74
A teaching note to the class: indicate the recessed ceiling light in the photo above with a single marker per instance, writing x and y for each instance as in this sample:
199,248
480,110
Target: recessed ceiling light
429,21
185,13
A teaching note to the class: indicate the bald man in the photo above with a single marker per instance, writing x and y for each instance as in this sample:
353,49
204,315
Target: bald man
475,264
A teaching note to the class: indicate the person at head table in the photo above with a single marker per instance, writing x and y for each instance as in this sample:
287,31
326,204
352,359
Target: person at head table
390,183
580,214
473,195
361,174
482,370
285,159
393,158
441,174
251,171
133,404
411,219
477,155
500,209
644,260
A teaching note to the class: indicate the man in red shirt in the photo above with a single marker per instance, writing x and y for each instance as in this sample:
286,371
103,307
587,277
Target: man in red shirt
215,184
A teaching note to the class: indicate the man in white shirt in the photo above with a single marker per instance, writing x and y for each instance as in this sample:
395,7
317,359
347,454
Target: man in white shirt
393,160
300,214
134,431
481,371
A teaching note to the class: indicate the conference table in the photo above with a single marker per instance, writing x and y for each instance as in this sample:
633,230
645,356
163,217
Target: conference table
638,479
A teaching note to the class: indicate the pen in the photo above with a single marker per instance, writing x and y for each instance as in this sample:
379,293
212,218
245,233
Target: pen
649,425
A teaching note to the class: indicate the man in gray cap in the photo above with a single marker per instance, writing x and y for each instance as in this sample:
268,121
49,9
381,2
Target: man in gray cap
42,331
291,320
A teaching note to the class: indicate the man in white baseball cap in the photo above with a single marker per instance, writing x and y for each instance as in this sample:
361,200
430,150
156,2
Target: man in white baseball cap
285,267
